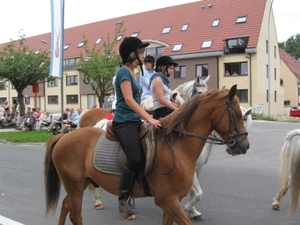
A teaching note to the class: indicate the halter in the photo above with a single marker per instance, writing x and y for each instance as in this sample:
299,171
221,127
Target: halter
231,141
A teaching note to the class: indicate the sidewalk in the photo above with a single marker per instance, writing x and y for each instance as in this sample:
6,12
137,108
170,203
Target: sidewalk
8,130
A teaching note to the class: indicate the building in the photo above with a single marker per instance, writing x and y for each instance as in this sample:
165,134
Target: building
233,41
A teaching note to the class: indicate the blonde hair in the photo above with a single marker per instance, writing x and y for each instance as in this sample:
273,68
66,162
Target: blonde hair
162,69
132,58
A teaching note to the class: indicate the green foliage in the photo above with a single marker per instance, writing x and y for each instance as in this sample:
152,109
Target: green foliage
261,117
23,66
292,46
26,136
99,64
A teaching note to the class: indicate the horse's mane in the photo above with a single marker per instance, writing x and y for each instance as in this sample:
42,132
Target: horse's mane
177,120
180,87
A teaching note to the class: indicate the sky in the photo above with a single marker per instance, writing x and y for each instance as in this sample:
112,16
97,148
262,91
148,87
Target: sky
32,17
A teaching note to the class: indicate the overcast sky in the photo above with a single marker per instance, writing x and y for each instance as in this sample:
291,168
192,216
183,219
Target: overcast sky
33,16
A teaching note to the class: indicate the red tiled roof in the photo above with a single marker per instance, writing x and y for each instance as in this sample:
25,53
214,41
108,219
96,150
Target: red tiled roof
291,62
150,25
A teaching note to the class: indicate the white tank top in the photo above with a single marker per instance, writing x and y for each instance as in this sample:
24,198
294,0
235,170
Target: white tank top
166,92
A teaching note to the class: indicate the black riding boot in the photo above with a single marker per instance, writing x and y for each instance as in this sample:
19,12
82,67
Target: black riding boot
126,185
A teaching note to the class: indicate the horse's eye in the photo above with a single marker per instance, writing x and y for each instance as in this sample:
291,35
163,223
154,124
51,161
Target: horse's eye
238,116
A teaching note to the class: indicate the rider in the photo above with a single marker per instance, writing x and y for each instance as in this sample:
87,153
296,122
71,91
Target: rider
160,87
145,79
128,116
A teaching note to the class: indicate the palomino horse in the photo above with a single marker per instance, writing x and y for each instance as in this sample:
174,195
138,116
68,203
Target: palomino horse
69,157
181,93
289,173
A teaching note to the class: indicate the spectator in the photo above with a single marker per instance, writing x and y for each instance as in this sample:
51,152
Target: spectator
25,117
45,121
14,121
7,119
5,106
31,121
74,123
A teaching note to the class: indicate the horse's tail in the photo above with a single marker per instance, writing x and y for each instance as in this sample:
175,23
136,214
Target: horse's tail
51,178
295,181
285,159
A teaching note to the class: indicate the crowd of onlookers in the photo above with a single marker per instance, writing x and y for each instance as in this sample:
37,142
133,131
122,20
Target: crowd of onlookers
34,119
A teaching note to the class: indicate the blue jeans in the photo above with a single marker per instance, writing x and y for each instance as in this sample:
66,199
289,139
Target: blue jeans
128,136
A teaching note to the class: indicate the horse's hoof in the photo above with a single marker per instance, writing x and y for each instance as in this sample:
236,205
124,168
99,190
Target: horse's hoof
198,218
99,206
276,206
130,217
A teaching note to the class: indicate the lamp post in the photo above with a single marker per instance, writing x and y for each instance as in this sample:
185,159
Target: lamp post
269,62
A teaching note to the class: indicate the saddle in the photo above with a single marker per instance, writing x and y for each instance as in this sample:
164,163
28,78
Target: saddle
147,140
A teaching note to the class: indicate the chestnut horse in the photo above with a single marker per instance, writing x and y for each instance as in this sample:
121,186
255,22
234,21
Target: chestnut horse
69,157
290,173
93,116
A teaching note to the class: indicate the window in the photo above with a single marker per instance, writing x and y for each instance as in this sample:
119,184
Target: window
215,23
202,70
243,95
119,37
274,73
53,99
155,52
70,64
275,96
177,47
135,34
185,27
81,44
72,80
267,96
180,72
72,99
275,52
37,52
241,19
287,103
206,44
166,30
53,83
2,100
267,46
236,45
98,41
236,69
66,46
267,70
27,100
2,86
281,82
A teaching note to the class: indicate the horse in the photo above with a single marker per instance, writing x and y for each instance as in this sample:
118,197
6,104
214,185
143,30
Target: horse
69,157
289,173
196,192
92,117
181,93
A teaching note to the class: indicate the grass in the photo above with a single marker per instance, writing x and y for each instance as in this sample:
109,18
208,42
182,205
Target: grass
260,117
26,136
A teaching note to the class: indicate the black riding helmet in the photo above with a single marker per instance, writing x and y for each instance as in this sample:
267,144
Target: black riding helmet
149,58
165,61
129,45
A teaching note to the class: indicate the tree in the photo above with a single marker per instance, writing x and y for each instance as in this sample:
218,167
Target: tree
22,67
100,63
292,46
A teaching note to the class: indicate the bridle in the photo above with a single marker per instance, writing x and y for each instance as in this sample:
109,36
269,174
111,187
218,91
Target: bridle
194,90
231,141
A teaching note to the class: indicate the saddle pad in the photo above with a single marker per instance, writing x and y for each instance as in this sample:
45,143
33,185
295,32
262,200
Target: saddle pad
105,157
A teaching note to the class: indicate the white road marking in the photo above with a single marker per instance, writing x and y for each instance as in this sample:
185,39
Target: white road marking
6,221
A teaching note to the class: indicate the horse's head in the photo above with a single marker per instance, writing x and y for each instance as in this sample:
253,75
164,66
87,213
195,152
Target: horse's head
199,86
229,124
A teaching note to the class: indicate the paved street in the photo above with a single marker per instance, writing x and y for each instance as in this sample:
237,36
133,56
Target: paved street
237,190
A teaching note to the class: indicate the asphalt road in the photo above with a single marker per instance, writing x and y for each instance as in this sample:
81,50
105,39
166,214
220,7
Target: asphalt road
237,190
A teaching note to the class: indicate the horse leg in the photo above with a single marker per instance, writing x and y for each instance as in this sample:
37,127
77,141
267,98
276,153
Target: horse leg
65,209
173,211
279,196
97,198
195,196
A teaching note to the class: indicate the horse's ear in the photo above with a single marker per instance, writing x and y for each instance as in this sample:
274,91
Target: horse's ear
198,79
173,96
207,79
232,91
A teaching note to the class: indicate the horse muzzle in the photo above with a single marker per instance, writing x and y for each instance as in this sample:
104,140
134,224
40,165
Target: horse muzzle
238,148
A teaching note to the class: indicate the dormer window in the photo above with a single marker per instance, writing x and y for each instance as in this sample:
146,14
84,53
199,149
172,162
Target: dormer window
177,47
80,44
135,34
206,44
236,45
98,41
66,46
185,27
241,19
215,23
119,37
166,30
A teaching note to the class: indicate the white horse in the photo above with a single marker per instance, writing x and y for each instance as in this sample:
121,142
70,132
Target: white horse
181,93
289,173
